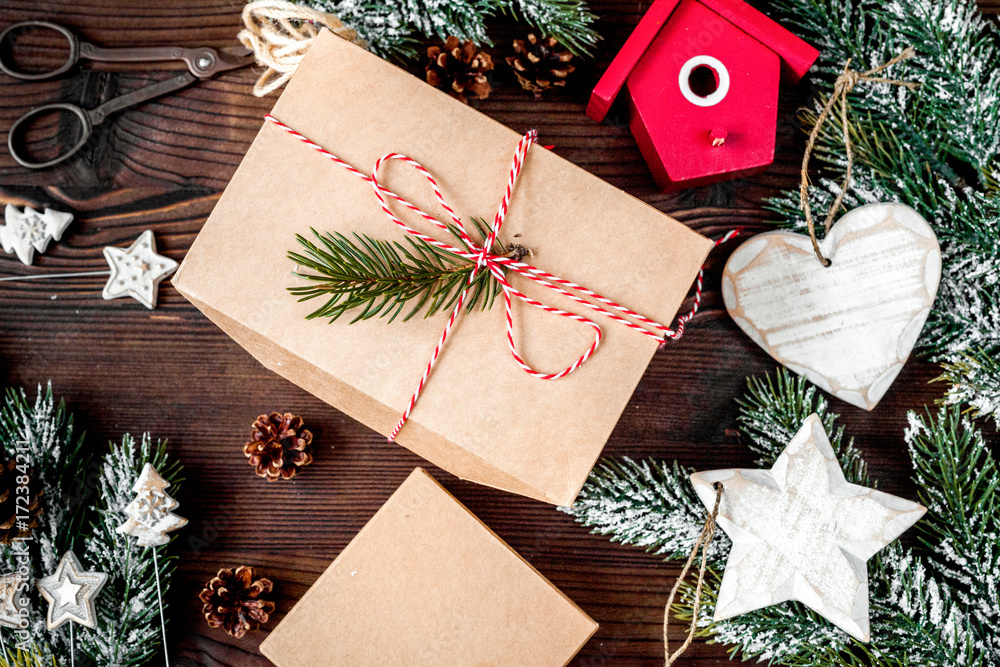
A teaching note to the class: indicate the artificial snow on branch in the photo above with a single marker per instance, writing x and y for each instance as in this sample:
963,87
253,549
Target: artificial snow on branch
393,29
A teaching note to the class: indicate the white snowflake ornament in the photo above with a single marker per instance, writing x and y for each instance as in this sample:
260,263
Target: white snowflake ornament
27,232
801,531
150,515
138,271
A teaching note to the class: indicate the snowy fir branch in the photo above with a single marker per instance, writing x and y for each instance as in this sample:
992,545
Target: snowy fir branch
393,29
974,380
958,479
44,430
934,149
81,504
935,604
128,629
647,504
773,411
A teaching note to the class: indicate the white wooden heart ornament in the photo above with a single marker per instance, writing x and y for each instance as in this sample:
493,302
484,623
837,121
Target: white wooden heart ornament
847,328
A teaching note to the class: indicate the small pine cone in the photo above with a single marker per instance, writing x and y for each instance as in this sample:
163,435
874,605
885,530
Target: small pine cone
460,69
15,483
234,601
540,64
279,447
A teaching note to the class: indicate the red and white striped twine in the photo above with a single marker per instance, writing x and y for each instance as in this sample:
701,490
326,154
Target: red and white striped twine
497,264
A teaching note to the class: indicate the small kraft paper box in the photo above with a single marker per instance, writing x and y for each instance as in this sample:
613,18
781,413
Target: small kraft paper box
427,583
480,417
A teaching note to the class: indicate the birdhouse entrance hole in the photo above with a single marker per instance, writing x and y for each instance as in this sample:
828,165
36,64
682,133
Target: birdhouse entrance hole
704,81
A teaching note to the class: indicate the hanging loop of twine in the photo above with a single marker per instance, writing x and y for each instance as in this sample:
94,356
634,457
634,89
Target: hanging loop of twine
279,33
703,541
842,87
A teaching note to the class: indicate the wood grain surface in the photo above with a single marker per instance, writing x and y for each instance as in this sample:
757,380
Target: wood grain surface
121,368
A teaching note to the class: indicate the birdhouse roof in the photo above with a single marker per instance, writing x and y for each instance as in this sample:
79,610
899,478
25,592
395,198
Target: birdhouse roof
796,55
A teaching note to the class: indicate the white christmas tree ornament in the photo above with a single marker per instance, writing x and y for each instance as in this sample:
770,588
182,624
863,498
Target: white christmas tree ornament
27,232
150,515
150,518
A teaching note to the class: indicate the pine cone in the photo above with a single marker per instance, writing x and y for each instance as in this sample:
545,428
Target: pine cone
460,69
279,446
540,64
234,601
12,483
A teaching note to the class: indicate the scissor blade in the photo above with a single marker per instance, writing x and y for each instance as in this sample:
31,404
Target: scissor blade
234,57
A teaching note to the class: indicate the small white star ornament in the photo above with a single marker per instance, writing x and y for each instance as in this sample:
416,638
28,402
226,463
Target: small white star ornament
71,592
848,328
27,232
138,271
801,531
150,515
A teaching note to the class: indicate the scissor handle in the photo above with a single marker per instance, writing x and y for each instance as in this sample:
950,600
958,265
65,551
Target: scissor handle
10,68
17,129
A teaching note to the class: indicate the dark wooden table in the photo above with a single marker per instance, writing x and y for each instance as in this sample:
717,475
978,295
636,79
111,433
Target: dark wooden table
162,166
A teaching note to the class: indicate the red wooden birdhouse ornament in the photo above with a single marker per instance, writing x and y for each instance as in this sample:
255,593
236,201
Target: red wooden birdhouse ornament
702,80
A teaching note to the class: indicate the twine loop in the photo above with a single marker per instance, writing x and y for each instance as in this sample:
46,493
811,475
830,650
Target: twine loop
842,87
703,541
279,33
483,258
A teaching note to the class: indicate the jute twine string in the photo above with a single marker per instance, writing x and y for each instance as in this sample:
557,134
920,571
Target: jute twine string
843,86
703,541
279,33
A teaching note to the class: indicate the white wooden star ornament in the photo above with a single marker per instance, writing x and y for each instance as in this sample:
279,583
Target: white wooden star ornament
150,515
71,592
801,531
138,271
27,232
848,328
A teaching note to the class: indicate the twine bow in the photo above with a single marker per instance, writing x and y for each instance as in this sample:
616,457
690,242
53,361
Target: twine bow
497,265
842,87
703,541
279,33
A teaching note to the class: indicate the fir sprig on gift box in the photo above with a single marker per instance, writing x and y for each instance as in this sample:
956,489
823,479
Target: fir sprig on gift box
935,604
934,149
384,278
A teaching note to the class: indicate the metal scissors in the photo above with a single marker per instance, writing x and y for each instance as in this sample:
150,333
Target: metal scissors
202,63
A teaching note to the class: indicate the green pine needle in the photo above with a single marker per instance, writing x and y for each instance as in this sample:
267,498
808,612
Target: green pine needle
22,658
386,278
974,379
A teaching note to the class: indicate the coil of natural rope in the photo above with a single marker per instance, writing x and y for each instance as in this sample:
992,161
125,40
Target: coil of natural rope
704,539
842,87
280,33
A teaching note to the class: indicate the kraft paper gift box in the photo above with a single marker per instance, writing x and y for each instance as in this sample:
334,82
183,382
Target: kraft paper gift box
480,417
426,583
